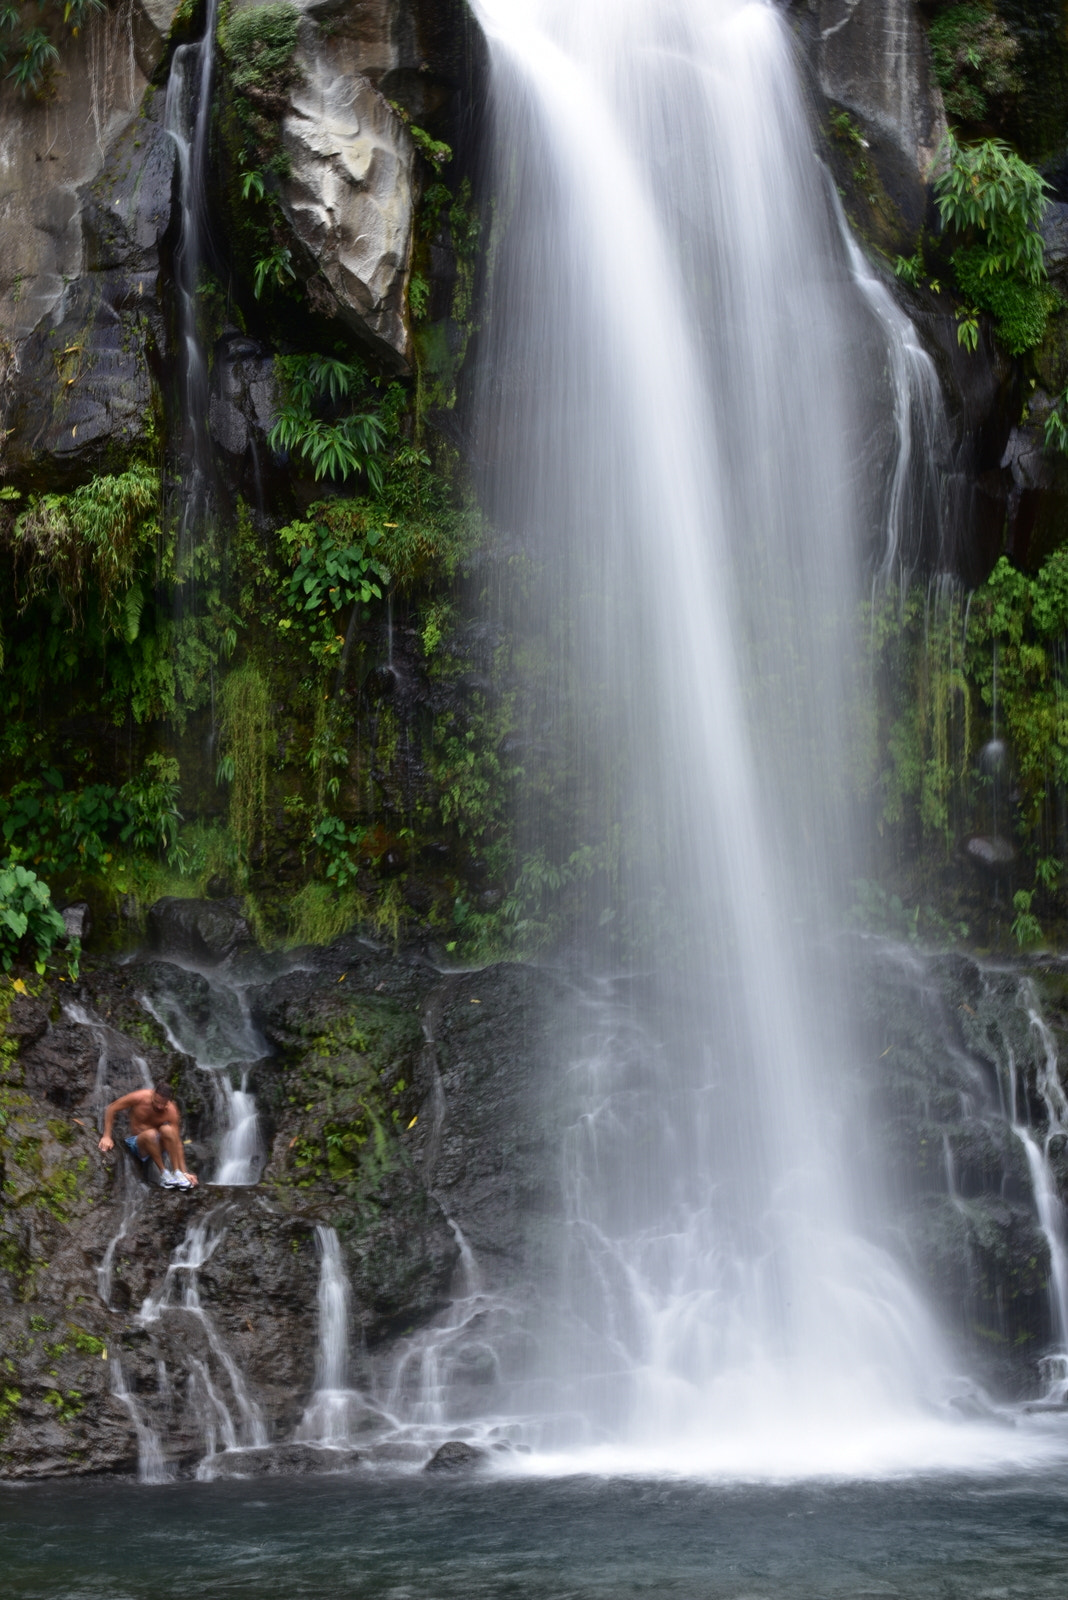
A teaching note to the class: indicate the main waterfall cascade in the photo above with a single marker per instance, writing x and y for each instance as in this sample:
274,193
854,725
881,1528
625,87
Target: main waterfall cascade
682,373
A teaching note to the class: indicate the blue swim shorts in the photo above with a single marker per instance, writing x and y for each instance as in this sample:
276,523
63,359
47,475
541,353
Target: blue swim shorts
130,1142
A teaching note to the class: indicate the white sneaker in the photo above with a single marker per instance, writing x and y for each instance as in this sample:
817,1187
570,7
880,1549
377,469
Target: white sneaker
180,1180
169,1180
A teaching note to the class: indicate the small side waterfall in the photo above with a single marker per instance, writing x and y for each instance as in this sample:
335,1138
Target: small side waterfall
151,1466
228,1416
915,517
222,1046
187,118
1051,1212
330,1412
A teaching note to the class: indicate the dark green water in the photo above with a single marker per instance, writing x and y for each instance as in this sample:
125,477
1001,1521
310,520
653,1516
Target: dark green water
562,1539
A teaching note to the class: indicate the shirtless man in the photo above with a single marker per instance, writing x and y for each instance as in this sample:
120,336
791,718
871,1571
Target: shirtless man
155,1132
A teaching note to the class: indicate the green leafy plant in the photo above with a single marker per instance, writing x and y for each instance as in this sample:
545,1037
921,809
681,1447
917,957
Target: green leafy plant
337,446
968,327
910,269
246,731
153,819
994,202
273,271
1026,928
328,576
31,71
27,916
336,841
436,151
1055,430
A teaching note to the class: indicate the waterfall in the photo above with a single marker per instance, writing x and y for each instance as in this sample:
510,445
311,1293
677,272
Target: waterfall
673,415
221,1044
1050,1210
327,1419
187,118
227,1415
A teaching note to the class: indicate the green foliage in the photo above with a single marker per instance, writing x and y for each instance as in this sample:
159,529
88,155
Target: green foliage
67,833
28,919
910,269
994,202
418,295
33,67
247,729
988,190
1055,431
334,446
258,43
973,54
876,911
1026,928
318,914
334,568
950,672
968,327
273,270
1021,310
35,49
436,151
1016,627
102,531
336,841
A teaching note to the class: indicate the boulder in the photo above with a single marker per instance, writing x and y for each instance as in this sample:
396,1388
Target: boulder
455,1455
350,193
201,931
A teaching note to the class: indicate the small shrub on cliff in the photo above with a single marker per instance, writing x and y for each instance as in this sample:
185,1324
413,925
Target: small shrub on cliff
994,202
258,44
973,55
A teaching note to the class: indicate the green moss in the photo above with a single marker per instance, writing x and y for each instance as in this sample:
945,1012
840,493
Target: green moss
246,710
974,60
1020,310
67,1407
10,1400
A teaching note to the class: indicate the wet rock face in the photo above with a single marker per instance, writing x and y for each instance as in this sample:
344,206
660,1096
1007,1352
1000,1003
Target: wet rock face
85,200
393,1088
202,931
947,1035
872,57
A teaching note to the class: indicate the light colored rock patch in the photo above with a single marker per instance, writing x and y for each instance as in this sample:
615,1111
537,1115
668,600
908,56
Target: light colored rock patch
350,193
873,59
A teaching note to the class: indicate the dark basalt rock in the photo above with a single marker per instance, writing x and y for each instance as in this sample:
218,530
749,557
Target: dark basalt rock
284,1461
203,931
456,1456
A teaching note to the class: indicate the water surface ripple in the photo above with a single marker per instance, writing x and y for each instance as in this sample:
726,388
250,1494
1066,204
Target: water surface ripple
566,1539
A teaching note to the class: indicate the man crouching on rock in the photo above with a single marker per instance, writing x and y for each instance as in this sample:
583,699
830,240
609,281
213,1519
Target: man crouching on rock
155,1132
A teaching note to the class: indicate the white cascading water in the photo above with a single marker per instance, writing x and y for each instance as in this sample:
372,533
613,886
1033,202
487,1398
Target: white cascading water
221,1046
187,118
679,378
330,1412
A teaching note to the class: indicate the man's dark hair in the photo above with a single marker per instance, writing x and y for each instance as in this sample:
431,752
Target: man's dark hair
162,1089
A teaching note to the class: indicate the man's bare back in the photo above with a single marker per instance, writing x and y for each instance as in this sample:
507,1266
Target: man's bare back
155,1133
